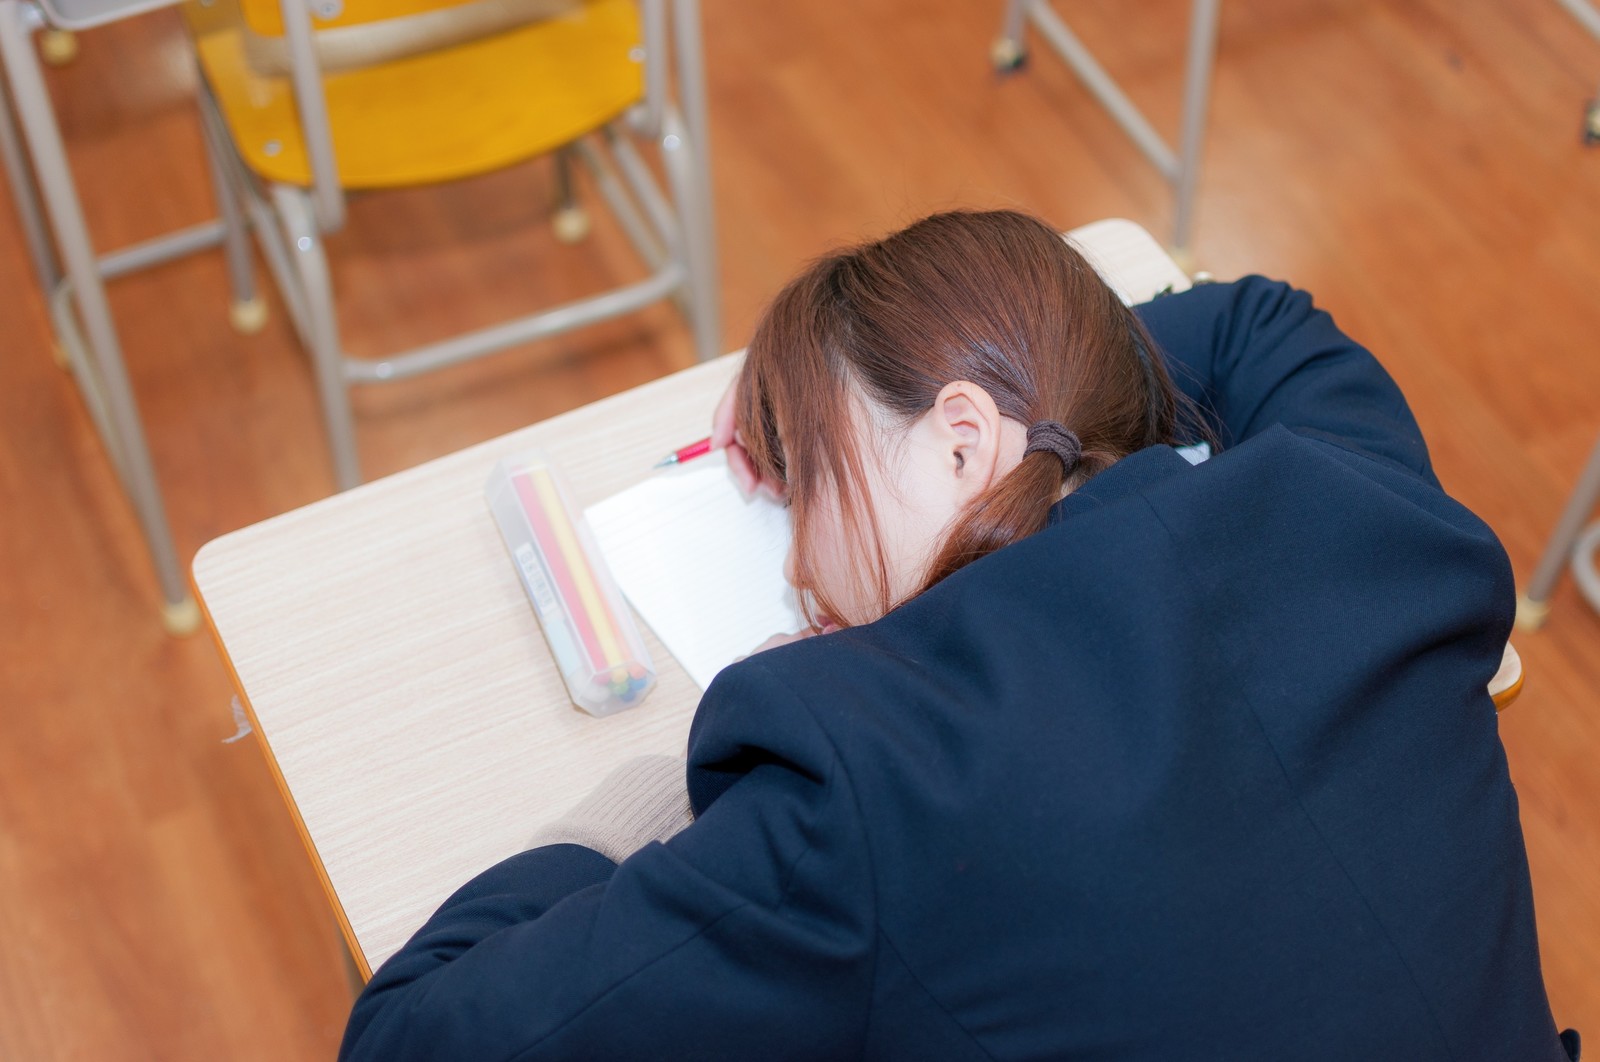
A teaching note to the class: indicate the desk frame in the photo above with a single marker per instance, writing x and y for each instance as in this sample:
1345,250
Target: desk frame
1180,167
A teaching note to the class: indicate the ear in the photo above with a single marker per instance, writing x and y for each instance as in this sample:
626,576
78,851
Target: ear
969,429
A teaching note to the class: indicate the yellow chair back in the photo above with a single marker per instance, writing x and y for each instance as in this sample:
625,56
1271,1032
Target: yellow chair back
380,31
265,17
420,110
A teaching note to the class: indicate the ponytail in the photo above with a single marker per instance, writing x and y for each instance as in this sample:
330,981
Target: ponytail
1012,509
1019,505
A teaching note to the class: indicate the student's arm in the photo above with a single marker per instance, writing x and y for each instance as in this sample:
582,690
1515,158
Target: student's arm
750,929
1257,352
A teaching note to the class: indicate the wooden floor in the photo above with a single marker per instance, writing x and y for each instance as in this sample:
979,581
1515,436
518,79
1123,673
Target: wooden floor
1415,164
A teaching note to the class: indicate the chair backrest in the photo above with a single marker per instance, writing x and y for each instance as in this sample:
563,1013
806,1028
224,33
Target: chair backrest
265,17
87,14
293,19
368,32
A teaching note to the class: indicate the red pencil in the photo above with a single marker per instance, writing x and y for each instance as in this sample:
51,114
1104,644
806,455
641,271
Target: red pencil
688,453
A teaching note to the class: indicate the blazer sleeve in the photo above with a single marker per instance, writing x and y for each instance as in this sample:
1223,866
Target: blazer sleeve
1257,352
748,935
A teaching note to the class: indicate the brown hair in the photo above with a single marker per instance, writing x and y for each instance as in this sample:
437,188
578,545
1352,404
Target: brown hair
998,299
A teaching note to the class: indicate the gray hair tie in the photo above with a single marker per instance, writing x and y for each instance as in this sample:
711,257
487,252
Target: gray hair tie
1050,437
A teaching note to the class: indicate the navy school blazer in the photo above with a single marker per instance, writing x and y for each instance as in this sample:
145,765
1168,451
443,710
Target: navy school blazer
1206,769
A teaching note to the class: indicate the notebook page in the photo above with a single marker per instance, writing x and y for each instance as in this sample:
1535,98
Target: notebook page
700,564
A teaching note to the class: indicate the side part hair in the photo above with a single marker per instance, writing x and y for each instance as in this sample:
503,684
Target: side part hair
995,298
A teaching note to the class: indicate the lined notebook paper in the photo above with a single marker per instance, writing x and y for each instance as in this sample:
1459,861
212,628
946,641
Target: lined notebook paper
701,565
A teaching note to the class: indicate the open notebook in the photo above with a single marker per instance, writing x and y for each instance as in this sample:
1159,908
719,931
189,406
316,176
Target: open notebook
702,565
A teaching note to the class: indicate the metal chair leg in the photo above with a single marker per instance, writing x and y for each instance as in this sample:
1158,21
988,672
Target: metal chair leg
570,220
1587,15
248,314
1585,553
25,195
58,47
180,615
246,191
35,231
309,268
695,238
652,240
691,176
1008,52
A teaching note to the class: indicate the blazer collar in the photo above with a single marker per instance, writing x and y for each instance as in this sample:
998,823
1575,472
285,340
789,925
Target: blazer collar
1132,475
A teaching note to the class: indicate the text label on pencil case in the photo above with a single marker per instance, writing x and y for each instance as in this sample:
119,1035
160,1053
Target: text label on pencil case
538,586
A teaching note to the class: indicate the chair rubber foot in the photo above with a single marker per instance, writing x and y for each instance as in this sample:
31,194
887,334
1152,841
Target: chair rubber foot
248,317
180,617
58,47
570,223
1591,123
1007,55
1531,614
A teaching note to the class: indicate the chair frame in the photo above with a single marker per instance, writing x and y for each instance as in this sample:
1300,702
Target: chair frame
73,281
675,239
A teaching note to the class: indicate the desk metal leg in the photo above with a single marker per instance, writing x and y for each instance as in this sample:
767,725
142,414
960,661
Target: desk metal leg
1196,96
1533,605
43,139
1181,168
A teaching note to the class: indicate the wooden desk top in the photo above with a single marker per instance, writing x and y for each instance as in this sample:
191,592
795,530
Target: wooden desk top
398,679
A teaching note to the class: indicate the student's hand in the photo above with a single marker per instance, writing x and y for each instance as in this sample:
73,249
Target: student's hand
725,436
642,800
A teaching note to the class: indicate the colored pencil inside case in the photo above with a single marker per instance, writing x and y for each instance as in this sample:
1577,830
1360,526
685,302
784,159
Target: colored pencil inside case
592,635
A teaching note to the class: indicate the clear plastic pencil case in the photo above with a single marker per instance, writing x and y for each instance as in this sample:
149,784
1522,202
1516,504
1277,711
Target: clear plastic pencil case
592,635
